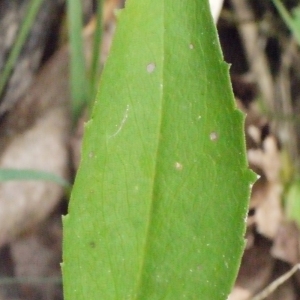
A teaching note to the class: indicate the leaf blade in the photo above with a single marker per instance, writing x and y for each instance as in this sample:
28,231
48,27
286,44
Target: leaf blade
146,150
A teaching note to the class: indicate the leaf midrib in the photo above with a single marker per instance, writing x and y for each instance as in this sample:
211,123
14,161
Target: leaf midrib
140,277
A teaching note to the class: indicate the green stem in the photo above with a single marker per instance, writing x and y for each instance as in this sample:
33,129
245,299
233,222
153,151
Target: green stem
79,87
94,73
287,19
33,8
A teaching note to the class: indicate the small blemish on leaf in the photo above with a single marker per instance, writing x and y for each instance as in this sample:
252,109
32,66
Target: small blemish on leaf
122,122
199,267
191,46
213,136
92,244
178,166
91,154
151,67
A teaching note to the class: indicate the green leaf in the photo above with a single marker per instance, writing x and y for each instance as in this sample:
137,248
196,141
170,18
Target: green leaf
160,200
292,202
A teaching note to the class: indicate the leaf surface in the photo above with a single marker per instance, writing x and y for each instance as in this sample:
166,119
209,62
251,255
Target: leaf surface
160,200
